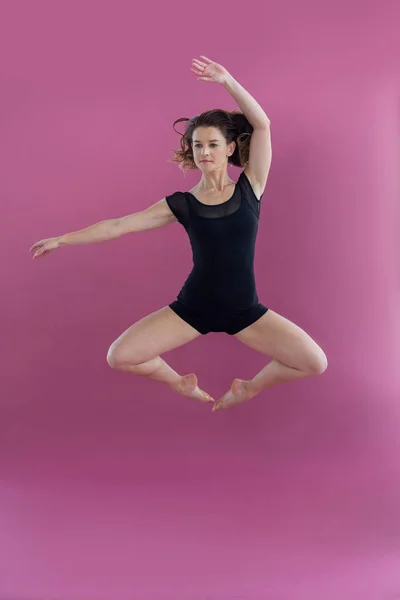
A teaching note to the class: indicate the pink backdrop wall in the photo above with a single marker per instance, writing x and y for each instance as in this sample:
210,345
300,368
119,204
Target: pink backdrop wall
112,487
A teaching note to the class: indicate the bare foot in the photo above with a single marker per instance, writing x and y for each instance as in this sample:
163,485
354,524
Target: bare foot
187,386
239,392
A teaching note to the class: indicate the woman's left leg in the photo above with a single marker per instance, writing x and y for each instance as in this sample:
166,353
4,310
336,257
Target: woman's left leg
294,355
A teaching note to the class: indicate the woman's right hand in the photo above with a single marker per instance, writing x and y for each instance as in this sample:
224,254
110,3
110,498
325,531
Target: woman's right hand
44,247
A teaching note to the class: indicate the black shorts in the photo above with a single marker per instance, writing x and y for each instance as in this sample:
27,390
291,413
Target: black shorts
228,321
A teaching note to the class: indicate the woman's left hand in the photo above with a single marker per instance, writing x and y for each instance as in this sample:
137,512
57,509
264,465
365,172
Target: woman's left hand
208,70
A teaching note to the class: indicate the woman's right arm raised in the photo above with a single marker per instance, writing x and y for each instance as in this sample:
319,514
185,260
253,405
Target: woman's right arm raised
155,216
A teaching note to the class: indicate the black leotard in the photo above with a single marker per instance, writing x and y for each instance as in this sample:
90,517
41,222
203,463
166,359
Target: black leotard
220,293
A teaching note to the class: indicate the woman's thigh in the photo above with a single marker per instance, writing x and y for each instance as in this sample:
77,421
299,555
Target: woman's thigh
152,335
281,339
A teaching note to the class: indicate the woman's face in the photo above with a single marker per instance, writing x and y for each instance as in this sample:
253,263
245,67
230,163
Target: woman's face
210,150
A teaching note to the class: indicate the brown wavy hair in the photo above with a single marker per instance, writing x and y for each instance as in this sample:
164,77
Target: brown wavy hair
233,125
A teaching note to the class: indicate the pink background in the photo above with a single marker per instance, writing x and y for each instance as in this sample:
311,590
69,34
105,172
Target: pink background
113,487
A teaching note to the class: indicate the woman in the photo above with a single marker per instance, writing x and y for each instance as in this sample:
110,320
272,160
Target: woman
221,219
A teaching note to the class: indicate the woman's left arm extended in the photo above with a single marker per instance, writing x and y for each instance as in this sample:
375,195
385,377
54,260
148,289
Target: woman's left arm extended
260,154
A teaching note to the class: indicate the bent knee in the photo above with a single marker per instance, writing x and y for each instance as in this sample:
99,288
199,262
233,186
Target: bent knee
112,357
118,357
319,363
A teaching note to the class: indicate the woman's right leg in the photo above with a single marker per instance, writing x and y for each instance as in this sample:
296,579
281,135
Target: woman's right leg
137,351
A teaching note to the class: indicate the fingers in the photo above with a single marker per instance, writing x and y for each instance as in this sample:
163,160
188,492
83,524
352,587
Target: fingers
36,245
41,252
200,62
196,69
39,247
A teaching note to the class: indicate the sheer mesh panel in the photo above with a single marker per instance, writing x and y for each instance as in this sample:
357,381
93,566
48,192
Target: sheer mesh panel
179,203
216,211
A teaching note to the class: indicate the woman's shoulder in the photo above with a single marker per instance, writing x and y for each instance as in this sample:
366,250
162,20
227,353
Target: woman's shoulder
178,205
251,187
